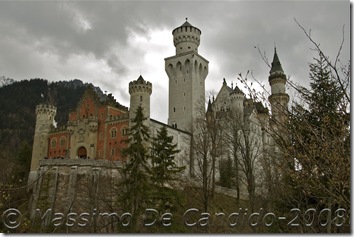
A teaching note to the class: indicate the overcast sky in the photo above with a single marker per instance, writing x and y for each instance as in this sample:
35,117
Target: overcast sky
110,43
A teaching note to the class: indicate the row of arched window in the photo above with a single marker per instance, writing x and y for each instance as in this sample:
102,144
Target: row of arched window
62,142
113,132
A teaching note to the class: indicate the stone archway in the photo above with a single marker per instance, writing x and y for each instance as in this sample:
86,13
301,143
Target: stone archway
82,152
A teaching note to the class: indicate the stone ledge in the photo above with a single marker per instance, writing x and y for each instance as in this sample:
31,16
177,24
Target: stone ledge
80,162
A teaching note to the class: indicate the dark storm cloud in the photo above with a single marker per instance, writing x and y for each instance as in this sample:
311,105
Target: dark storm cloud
92,41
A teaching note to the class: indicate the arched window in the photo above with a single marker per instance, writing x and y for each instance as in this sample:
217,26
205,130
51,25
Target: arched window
54,143
62,141
113,133
113,152
125,131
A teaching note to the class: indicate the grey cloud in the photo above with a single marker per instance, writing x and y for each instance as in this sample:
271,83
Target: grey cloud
230,30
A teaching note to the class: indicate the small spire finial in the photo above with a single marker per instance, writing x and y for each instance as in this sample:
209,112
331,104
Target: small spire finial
275,48
186,18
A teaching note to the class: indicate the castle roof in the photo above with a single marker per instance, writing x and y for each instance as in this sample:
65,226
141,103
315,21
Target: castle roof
140,79
209,109
276,65
237,90
187,24
227,87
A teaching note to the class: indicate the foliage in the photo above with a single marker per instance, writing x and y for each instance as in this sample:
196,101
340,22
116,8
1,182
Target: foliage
226,172
313,147
319,137
135,171
164,152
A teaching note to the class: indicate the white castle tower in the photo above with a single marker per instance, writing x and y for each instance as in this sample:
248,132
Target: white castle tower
140,92
279,98
187,71
44,121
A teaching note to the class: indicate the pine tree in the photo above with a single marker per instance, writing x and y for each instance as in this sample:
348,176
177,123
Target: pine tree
319,131
136,170
164,167
226,172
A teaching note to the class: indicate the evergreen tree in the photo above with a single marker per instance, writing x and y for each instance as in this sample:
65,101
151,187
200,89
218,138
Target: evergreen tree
164,167
319,130
226,172
136,170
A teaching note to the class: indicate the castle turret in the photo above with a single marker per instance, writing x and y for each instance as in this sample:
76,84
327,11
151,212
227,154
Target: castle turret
279,98
140,92
186,38
44,121
187,71
237,98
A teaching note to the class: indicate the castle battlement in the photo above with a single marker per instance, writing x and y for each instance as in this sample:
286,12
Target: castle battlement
46,109
140,85
60,130
186,33
118,117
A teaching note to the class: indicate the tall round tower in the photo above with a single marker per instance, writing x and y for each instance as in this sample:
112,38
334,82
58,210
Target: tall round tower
186,38
45,117
279,98
186,71
140,92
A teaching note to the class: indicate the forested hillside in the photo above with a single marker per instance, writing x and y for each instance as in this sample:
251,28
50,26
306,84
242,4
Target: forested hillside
18,101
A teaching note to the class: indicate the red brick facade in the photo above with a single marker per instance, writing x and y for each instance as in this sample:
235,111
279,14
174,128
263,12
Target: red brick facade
96,130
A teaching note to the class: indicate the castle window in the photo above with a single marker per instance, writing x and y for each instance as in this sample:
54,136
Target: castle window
54,143
125,131
141,98
113,151
113,133
62,141
174,109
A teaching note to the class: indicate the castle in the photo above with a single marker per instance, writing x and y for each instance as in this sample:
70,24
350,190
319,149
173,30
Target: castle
94,135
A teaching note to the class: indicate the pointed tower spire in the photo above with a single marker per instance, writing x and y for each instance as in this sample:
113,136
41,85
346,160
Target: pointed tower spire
276,65
279,98
209,109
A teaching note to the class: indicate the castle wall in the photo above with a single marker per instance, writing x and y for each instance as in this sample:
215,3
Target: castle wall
180,138
75,184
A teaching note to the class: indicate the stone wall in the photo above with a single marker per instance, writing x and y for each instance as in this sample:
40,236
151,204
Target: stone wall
64,185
